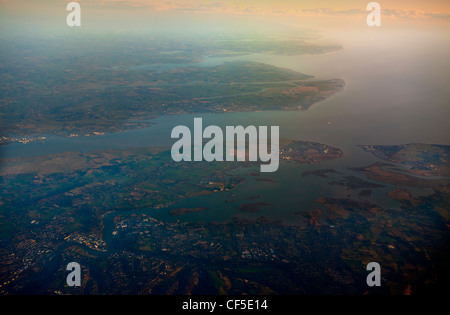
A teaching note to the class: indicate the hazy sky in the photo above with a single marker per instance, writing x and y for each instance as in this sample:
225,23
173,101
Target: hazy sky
411,8
326,14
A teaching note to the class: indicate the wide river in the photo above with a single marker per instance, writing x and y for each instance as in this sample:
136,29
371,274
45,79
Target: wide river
396,92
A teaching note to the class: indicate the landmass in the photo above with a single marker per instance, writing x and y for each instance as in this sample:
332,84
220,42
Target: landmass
58,212
307,152
97,182
99,207
418,158
387,173
70,96
182,211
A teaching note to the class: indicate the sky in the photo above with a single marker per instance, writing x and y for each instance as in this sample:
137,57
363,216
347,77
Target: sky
229,13
289,7
395,8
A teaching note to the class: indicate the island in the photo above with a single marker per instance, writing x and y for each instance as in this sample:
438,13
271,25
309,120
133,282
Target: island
182,211
307,152
418,158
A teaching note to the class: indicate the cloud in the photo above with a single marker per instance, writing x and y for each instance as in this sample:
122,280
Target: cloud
333,12
413,14
241,8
